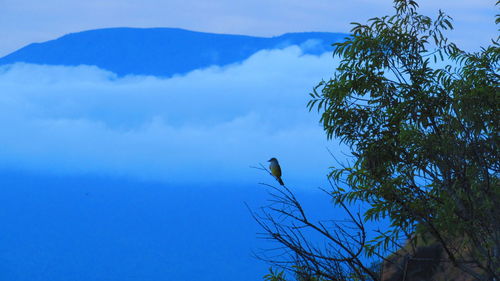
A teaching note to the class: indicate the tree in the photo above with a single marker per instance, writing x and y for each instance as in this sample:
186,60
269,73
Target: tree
425,150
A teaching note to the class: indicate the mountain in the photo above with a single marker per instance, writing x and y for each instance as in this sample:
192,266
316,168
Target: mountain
160,51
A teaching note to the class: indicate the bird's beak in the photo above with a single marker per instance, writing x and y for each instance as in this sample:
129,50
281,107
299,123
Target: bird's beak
269,160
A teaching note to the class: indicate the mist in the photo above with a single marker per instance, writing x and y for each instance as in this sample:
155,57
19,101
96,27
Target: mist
207,126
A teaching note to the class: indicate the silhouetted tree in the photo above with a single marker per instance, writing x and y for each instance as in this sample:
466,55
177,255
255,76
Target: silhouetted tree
425,152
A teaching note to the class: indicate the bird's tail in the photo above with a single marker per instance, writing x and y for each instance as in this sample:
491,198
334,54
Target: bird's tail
280,181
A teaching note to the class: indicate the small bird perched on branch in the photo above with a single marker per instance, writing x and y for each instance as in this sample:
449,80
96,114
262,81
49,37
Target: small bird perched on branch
275,168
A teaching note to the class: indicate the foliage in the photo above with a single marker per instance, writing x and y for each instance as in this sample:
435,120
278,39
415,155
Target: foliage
275,275
301,274
424,140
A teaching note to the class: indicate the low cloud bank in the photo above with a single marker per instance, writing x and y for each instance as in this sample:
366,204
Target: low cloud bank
207,126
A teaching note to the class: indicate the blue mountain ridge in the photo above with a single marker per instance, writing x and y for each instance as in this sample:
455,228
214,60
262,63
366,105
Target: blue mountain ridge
161,51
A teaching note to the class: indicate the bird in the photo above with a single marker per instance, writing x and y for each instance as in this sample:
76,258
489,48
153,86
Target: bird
275,168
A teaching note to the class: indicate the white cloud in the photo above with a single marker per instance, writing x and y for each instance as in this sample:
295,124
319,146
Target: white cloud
207,126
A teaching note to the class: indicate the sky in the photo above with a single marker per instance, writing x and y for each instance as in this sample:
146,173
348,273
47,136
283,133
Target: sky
27,21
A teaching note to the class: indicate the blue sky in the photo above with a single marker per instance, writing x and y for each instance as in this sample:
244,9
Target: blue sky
26,21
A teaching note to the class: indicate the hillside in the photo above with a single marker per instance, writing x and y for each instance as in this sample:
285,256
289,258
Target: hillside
160,51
